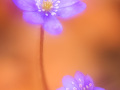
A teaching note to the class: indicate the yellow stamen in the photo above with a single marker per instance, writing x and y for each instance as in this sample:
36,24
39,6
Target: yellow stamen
47,5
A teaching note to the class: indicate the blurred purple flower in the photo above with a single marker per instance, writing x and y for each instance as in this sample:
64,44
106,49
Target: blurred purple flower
79,82
44,11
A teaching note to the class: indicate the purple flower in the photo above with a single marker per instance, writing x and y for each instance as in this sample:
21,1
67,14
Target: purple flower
44,11
79,82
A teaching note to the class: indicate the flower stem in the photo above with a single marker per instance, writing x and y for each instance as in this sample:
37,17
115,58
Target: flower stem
41,59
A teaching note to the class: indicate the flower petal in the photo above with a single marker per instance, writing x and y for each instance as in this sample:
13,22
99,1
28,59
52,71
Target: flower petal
52,25
89,82
80,78
65,3
70,83
98,88
28,5
72,10
33,17
62,88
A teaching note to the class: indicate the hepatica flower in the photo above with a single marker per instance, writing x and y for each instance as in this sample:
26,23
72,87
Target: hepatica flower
79,82
44,12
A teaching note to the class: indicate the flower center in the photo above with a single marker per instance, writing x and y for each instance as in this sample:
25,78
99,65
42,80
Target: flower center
47,5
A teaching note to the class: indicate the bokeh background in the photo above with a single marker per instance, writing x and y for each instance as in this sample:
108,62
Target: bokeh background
90,43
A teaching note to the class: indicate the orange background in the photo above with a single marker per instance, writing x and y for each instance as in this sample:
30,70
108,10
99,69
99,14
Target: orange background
90,43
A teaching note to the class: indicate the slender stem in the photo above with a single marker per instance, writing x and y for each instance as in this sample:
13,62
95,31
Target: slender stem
41,58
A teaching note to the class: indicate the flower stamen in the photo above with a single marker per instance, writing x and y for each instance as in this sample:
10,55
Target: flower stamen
47,5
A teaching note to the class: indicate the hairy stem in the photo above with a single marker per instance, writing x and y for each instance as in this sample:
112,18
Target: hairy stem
42,58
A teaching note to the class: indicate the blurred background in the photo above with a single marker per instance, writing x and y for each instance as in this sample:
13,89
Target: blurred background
90,43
